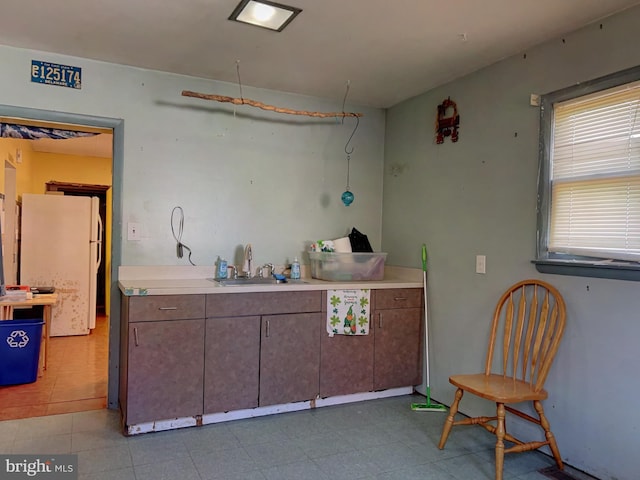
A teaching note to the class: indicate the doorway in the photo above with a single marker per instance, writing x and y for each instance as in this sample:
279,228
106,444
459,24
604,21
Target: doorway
109,299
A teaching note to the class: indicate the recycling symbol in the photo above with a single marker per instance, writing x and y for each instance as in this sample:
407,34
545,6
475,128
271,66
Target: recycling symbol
18,338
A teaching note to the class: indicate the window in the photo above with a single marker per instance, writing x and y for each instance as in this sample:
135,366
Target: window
589,183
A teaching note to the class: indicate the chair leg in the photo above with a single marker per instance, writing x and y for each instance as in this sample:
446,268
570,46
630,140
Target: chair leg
500,432
446,428
544,423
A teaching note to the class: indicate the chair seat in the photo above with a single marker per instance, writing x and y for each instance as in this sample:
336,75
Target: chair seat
497,388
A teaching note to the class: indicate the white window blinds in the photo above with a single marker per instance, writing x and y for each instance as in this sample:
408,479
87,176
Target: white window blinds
595,175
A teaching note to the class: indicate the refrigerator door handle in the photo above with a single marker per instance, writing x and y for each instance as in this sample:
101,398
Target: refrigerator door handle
99,242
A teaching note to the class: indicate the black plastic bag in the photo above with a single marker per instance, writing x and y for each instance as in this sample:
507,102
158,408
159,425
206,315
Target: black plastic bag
359,242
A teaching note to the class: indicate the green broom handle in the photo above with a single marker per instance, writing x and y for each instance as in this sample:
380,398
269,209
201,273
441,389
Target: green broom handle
426,321
424,257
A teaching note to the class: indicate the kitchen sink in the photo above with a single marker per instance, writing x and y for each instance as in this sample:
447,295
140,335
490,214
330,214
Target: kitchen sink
235,282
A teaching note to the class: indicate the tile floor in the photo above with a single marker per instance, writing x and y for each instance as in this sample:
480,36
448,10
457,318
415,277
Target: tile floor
75,379
373,440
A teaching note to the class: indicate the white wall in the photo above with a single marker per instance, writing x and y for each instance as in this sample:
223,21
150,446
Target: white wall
478,196
242,175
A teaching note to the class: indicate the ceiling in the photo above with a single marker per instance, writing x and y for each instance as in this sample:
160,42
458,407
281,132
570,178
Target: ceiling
388,51
97,146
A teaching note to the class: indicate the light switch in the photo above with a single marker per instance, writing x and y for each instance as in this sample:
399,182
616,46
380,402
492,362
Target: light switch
134,231
481,264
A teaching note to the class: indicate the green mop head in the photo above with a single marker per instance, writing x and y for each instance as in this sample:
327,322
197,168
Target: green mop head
428,407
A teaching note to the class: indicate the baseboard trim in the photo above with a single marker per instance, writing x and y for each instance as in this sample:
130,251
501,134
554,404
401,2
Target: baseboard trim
210,418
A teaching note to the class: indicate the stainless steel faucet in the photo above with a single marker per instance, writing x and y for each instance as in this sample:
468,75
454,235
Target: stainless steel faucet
266,265
235,270
248,257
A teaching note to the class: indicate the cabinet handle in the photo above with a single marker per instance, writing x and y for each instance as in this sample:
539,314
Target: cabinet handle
135,336
398,299
266,333
380,320
167,308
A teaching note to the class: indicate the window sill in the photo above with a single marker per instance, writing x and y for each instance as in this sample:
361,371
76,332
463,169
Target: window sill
586,268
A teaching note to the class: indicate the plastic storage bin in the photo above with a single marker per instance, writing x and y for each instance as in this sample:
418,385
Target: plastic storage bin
345,267
19,351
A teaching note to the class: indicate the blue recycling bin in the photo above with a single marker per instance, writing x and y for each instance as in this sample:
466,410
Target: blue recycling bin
19,351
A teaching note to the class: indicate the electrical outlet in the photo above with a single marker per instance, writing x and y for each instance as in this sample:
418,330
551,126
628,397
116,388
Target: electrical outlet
481,264
134,231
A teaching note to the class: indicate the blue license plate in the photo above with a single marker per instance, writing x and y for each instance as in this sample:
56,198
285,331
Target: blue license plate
56,74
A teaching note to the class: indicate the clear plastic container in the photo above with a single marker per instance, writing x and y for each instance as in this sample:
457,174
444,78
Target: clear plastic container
346,267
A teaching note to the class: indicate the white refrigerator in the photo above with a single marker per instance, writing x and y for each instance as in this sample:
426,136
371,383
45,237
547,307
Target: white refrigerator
60,247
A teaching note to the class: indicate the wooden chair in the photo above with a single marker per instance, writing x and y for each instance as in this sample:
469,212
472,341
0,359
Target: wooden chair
527,327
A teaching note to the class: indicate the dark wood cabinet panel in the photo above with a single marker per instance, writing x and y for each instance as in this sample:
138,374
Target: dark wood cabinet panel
346,364
262,303
398,348
232,363
165,307
289,358
165,370
397,298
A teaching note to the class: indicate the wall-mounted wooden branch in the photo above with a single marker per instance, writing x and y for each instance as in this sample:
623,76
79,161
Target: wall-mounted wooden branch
253,103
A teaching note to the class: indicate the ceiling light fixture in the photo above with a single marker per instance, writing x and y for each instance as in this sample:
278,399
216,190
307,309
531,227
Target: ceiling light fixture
263,13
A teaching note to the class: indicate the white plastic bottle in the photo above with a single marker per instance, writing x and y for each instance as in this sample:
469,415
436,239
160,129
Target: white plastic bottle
295,269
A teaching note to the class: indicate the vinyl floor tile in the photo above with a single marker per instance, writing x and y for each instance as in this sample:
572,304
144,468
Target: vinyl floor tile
274,447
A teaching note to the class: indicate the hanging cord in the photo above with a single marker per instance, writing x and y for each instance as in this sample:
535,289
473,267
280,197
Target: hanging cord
349,152
180,247
348,169
344,99
239,81
239,86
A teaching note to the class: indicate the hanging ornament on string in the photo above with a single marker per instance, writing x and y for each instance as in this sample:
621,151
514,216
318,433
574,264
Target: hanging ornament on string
347,195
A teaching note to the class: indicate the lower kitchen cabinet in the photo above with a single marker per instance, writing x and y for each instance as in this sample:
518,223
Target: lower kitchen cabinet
397,326
165,370
346,364
161,357
289,358
188,355
232,363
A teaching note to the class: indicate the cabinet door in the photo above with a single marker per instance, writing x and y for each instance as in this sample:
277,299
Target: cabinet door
289,358
232,363
398,348
165,370
346,364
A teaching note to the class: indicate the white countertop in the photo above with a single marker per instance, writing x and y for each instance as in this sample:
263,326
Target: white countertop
188,280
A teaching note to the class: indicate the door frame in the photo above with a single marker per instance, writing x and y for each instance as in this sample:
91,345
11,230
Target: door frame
117,126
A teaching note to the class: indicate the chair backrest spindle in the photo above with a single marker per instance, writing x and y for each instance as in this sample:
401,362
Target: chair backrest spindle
522,307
